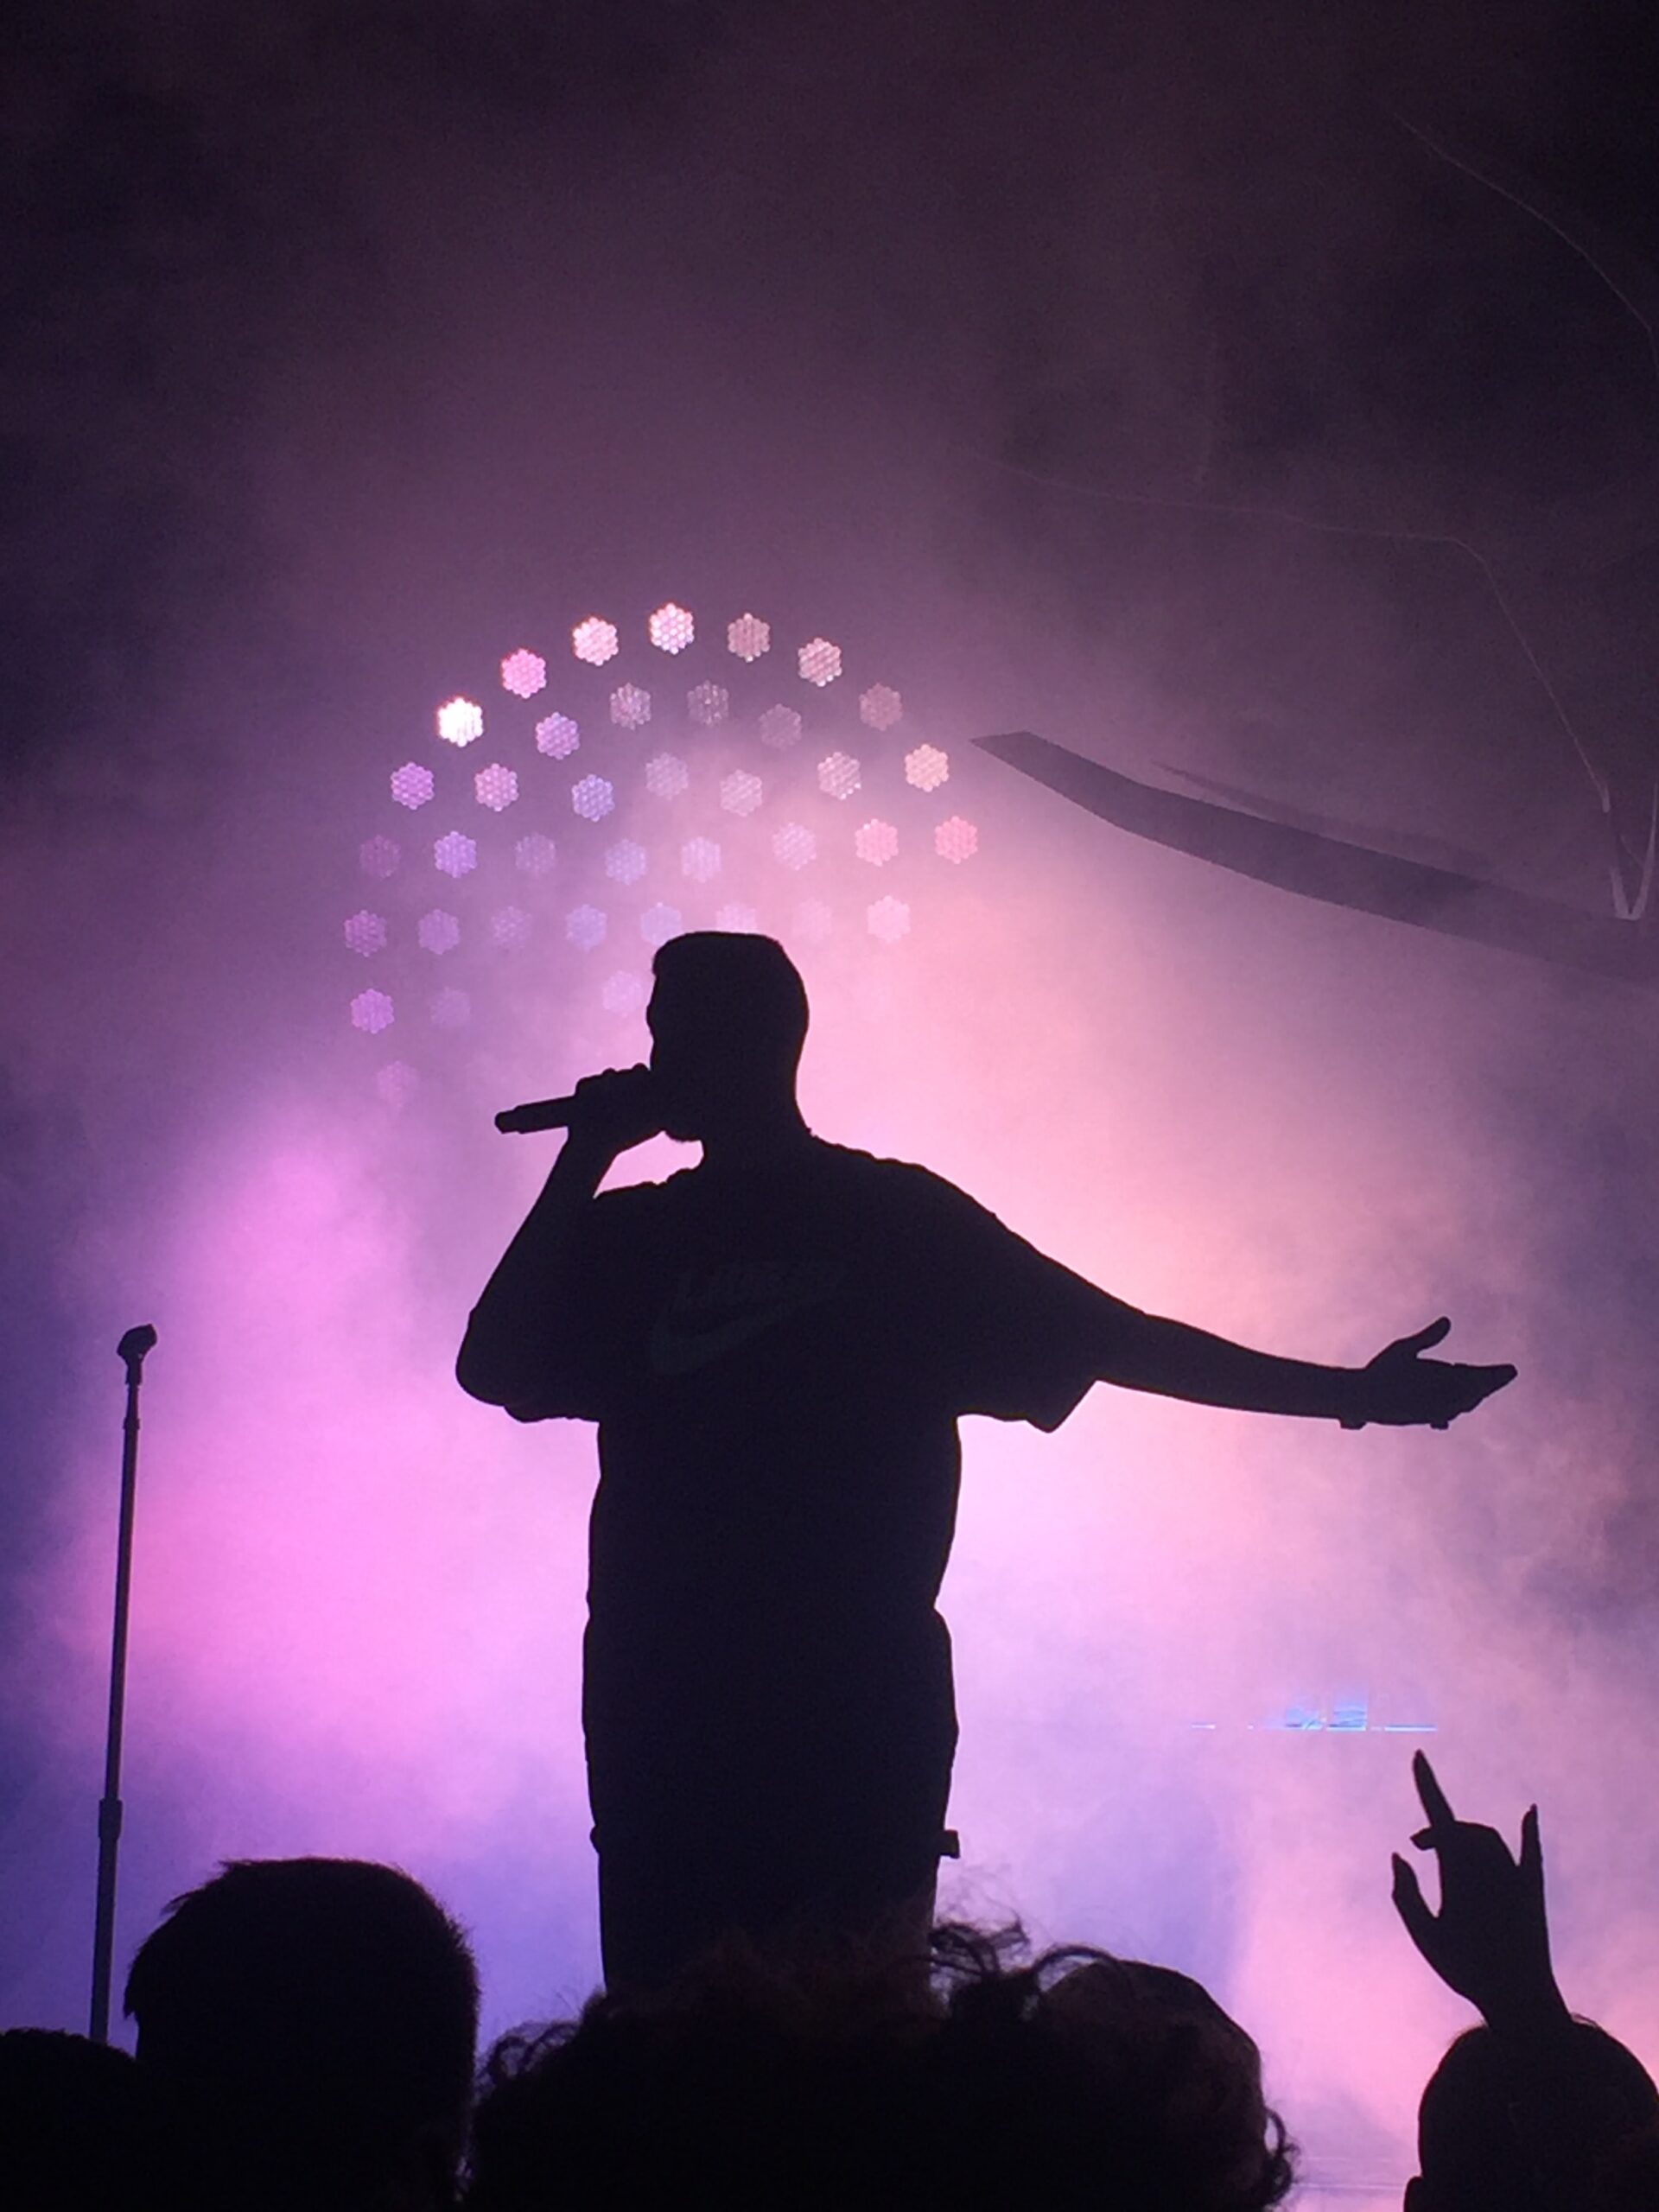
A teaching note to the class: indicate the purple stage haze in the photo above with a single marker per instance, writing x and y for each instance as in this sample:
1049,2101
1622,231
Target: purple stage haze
336,792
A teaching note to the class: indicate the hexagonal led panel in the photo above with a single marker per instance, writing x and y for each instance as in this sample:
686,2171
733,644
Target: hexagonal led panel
454,855
510,928
630,706
666,775
378,856
411,784
366,932
740,792
748,637
450,1008
707,703
742,920
838,776
880,707
780,727
536,854
700,859
558,736
397,1083
813,920
889,919
495,787
438,931
794,845
524,674
623,993
625,861
927,767
820,662
460,721
956,840
593,641
672,628
876,842
585,925
372,1011
659,923
593,799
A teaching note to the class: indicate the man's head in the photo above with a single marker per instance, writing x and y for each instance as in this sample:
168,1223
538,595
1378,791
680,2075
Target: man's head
1472,2159
727,1020
310,2024
77,2129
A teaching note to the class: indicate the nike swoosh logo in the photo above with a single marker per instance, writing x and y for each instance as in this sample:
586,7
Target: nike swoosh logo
679,1352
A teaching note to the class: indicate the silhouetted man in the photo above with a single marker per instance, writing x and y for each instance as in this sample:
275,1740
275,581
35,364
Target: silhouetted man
777,1344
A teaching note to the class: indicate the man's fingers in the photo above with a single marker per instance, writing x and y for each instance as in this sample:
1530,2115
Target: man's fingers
1434,1801
1412,1906
1435,1333
1532,1851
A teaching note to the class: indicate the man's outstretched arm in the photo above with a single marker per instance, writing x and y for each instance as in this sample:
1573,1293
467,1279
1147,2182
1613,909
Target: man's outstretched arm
1398,1386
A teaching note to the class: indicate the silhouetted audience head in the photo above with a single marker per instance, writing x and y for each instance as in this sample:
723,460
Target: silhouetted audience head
77,2132
727,1020
1469,2154
1079,2080
310,2023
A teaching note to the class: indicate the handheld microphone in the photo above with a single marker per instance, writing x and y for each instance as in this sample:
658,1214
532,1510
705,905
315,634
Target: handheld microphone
538,1114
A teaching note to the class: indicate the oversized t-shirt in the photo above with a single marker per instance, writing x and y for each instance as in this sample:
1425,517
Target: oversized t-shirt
777,1362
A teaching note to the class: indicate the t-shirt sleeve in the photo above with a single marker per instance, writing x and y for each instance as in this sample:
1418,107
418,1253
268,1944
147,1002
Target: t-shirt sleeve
1014,1334
578,1340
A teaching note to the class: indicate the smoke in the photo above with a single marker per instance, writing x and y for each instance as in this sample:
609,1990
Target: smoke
403,352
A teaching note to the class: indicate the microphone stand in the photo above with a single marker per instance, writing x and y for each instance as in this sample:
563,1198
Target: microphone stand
131,1349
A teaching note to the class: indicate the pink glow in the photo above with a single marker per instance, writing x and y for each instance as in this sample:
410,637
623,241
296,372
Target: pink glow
820,662
495,787
888,919
838,776
876,842
524,674
672,628
956,840
630,706
365,933
926,768
748,637
708,704
880,707
594,641
700,859
666,775
794,845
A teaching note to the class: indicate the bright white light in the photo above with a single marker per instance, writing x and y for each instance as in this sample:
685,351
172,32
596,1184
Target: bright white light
460,721
524,674
536,854
372,1011
876,842
411,784
625,861
593,641
495,787
889,919
558,736
838,776
623,993
450,1008
454,855
780,727
707,703
510,927
738,918
378,856
585,925
794,845
927,767
659,923
740,792
366,932
820,662
956,840
438,931
748,637
700,859
630,706
880,707
672,628
666,775
396,1082
813,920
593,799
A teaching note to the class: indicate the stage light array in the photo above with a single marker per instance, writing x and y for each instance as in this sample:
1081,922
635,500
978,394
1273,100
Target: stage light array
732,822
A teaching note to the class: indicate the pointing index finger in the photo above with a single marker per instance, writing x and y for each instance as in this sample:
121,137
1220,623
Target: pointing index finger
1434,1801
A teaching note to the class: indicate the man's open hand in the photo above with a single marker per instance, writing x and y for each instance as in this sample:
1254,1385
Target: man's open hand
1404,1390
1490,1940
